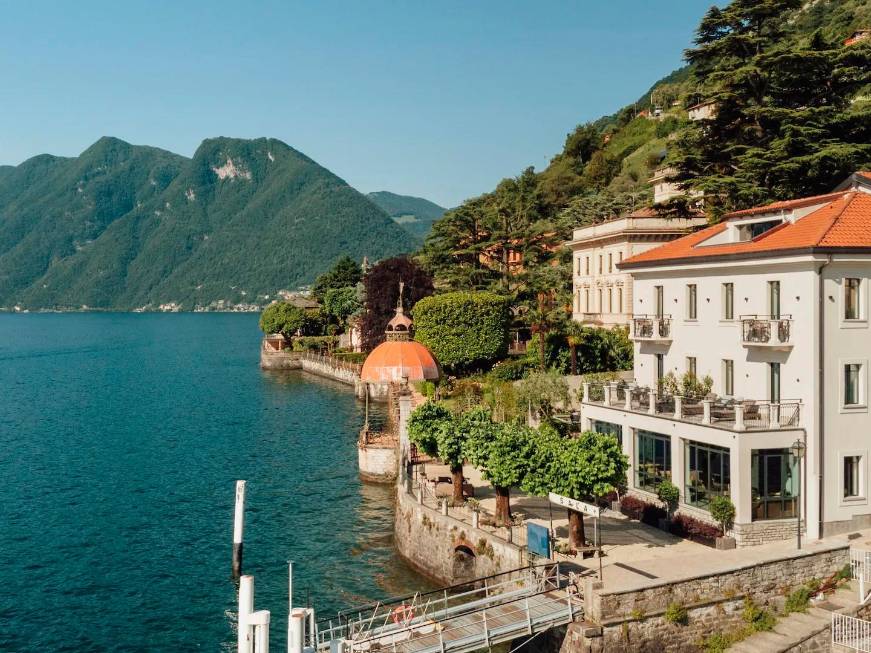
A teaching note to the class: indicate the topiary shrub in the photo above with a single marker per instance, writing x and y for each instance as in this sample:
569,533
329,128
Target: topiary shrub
723,510
465,330
669,495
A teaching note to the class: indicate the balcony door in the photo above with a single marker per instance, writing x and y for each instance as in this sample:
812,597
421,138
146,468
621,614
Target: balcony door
658,301
774,383
774,299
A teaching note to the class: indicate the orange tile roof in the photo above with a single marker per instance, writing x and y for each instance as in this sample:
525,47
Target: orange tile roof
843,223
785,205
867,175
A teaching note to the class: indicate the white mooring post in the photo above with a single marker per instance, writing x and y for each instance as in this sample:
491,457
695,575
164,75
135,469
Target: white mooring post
246,608
289,604
260,622
297,630
238,528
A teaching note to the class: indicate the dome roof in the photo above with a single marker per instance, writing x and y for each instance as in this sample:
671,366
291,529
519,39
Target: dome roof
390,361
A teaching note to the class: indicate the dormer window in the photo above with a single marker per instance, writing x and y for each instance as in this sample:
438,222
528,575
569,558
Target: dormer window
754,229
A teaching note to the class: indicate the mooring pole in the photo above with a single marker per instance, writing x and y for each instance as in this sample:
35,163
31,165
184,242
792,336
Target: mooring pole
297,631
246,607
238,528
289,606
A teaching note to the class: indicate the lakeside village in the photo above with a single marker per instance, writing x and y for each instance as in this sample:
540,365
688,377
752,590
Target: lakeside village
687,449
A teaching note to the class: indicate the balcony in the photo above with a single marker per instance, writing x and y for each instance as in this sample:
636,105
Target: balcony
651,328
766,332
719,412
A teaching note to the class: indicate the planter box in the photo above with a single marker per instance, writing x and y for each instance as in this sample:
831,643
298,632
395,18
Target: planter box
725,543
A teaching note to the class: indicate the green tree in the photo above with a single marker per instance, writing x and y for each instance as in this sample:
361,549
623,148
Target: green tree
345,273
540,392
785,124
464,330
434,430
585,468
501,451
283,318
341,303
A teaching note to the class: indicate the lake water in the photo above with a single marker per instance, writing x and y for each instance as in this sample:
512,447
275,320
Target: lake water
121,437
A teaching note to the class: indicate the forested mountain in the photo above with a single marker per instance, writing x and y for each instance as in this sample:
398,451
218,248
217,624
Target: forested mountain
126,227
416,214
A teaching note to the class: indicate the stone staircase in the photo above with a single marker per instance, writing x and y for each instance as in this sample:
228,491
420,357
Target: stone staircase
804,631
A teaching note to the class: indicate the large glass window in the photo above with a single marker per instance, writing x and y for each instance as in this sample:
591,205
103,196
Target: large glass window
692,301
852,299
608,428
852,475
652,460
707,473
852,378
728,301
774,484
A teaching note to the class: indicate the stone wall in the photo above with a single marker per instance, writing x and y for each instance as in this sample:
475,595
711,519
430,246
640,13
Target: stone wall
324,369
279,360
294,360
445,549
378,461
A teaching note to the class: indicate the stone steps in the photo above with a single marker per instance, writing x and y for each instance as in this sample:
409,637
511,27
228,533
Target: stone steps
800,626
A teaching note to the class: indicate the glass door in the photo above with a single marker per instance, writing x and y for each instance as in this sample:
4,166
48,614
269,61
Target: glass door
774,299
774,382
659,302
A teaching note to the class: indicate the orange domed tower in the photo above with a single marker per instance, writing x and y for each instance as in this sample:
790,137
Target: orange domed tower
398,358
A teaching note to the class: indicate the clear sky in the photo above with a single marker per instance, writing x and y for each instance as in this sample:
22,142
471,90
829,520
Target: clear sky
436,98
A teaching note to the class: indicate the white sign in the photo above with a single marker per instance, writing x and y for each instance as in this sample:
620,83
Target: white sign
574,504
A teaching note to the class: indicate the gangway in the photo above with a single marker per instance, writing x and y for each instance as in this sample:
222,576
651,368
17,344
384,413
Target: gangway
458,619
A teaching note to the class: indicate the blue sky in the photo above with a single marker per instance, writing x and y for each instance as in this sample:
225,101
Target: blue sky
437,99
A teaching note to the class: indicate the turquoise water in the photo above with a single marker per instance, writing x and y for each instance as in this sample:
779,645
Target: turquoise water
121,437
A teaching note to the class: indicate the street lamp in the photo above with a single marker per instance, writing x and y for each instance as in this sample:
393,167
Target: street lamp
797,451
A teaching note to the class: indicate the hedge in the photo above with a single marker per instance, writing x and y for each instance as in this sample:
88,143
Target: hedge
464,330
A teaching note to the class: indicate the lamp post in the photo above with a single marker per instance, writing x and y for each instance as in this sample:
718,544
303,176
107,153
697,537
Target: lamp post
797,451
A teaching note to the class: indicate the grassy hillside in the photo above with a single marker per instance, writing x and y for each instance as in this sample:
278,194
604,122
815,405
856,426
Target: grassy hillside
415,214
125,226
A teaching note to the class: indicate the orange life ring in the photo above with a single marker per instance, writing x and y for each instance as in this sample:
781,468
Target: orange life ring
402,614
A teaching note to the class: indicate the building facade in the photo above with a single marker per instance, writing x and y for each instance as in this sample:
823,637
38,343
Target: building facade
773,306
602,292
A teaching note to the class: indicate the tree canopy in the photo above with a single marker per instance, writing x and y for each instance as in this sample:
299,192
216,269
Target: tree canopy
345,273
283,318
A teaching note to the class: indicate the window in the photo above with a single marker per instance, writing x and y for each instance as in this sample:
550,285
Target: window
600,264
608,428
774,383
660,366
658,301
691,365
774,484
610,262
599,297
619,300
692,301
728,301
707,473
652,460
852,306
587,265
610,300
587,300
852,384
620,257
774,299
852,475
728,378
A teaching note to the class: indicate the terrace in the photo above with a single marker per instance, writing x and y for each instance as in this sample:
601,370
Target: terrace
730,413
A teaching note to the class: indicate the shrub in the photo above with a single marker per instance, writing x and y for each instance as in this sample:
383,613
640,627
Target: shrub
694,530
718,642
798,601
350,356
426,388
758,619
723,510
314,343
641,510
675,613
668,494
463,329
542,391
511,369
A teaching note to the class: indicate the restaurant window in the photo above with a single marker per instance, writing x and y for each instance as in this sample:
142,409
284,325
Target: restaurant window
852,477
608,428
852,384
652,460
707,473
728,377
728,301
691,365
852,299
773,481
692,301
774,299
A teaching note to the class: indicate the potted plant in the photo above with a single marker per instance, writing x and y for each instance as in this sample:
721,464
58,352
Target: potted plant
723,511
669,495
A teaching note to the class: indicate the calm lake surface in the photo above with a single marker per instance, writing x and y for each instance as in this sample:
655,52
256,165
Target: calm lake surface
121,437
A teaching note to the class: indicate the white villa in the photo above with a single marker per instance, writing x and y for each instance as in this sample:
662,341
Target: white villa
602,292
773,305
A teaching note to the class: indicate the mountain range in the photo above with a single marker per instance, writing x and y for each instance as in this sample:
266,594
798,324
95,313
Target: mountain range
415,214
129,227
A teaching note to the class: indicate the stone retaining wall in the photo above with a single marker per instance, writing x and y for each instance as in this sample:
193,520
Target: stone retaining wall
279,360
378,461
293,360
445,549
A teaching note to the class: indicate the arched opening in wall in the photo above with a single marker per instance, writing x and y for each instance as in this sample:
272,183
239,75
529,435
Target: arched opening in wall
464,563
